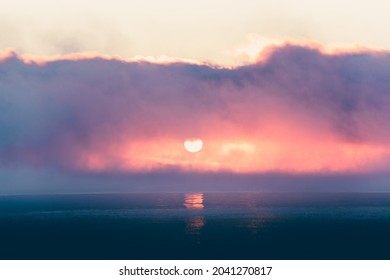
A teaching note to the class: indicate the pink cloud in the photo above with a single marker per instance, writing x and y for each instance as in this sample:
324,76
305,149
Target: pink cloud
296,110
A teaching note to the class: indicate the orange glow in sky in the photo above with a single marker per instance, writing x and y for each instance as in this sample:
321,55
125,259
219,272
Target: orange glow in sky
242,156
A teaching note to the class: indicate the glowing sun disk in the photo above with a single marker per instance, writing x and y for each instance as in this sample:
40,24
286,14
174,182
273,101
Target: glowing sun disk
193,145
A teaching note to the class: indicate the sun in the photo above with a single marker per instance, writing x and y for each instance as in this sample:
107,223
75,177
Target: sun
193,145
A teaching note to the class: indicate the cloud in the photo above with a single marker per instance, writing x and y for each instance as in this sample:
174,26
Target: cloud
297,109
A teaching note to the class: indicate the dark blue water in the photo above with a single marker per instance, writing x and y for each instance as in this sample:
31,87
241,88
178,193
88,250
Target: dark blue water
196,226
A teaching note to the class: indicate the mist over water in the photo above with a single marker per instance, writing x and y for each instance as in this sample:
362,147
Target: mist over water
196,226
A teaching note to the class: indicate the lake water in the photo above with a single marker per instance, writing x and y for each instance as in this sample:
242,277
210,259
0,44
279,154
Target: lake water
196,226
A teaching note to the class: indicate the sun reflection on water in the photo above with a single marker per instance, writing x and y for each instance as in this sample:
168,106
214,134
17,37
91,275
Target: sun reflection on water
193,200
194,224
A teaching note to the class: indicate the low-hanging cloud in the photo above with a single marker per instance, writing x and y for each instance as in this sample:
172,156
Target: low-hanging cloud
296,109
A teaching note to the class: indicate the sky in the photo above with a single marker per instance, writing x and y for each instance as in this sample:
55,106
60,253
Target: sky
100,96
218,31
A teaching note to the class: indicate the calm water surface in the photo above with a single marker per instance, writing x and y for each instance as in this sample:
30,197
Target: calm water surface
196,226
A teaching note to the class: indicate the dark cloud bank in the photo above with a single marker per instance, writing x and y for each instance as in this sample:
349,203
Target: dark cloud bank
50,112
